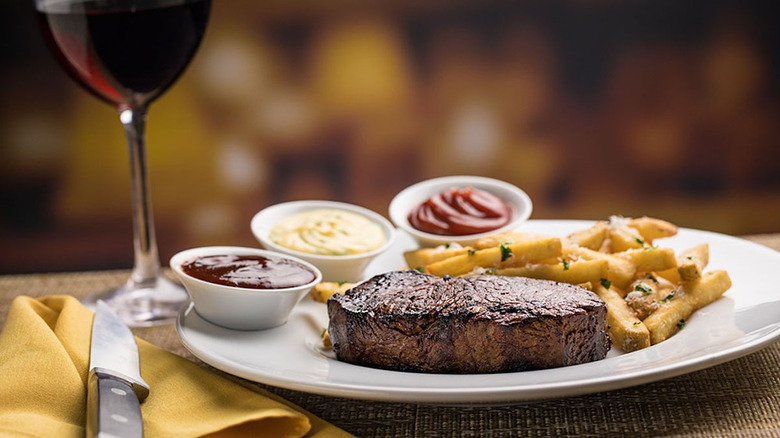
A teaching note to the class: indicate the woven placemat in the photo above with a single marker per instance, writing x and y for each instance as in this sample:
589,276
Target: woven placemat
737,398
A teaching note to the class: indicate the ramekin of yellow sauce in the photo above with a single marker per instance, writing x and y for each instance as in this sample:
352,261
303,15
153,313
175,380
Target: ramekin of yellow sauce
339,238
328,232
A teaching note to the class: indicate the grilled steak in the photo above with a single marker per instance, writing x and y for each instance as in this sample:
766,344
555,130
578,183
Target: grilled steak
409,321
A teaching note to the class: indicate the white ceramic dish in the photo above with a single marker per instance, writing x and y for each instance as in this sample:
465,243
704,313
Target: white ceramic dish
238,307
418,193
745,320
334,268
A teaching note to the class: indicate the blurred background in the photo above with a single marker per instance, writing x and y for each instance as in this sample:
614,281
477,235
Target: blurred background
661,108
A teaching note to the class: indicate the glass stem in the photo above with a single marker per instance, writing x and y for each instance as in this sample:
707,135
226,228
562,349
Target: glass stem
146,265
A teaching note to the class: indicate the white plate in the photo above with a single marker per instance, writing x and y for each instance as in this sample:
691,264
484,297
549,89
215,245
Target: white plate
745,320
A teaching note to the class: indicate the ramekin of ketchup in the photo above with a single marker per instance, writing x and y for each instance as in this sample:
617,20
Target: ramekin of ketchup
460,211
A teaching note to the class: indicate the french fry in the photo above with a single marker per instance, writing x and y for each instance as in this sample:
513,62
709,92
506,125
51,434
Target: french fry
510,237
672,275
425,256
651,228
581,271
626,331
606,246
650,259
515,254
623,238
690,264
591,238
324,290
671,316
620,272
326,342
588,285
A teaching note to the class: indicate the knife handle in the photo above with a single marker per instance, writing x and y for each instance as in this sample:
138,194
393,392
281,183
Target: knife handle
112,408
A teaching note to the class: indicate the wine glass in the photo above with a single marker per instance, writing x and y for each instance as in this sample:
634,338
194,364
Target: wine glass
127,53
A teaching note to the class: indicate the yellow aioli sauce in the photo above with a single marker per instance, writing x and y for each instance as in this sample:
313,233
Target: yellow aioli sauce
328,232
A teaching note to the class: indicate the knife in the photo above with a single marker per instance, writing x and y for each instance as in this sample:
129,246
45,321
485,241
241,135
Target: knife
116,388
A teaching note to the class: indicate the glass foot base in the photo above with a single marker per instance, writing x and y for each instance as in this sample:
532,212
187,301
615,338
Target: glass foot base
143,305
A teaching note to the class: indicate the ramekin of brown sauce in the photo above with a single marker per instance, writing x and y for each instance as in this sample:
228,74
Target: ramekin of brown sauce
249,271
244,288
459,209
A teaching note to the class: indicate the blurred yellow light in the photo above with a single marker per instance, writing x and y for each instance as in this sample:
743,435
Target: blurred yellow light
360,65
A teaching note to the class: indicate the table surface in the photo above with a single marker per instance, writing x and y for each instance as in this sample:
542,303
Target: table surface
737,398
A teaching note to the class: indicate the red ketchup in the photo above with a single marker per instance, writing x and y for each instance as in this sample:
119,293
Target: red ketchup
461,211
250,271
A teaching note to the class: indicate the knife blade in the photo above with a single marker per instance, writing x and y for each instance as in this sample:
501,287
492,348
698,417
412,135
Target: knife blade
116,388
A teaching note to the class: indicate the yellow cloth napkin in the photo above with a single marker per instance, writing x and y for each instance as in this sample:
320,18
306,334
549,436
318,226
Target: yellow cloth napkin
44,361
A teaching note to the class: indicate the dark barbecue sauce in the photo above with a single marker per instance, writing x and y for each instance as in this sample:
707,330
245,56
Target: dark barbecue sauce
250,271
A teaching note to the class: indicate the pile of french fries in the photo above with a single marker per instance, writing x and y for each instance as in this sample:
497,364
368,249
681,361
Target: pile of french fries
650,291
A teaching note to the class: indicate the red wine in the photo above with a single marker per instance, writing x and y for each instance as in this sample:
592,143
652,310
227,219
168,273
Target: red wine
124,53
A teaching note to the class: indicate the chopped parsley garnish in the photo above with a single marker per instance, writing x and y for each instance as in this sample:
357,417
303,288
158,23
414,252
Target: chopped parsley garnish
652,278
606,283
506,252
420,269
323,332
667,298
341,283
681,324
645,289
447,245
639,241
471,251
490,271
565,264
637,322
